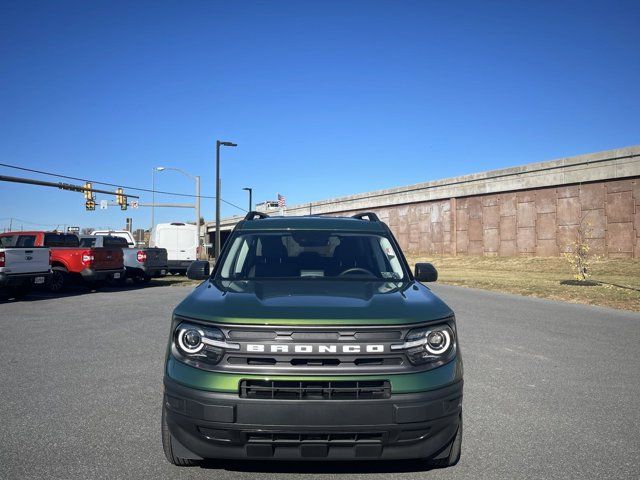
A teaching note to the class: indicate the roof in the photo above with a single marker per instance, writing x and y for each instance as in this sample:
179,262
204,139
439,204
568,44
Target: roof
27,232
312,223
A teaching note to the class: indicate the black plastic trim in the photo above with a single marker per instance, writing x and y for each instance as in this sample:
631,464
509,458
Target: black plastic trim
221,425
255,214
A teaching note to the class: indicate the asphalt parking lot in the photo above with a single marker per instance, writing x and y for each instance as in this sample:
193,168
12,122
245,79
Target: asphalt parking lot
552,390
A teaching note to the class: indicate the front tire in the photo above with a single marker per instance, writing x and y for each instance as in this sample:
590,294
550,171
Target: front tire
168,448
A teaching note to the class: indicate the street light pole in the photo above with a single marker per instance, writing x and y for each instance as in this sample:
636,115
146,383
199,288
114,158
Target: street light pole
250,190
218,145
197,178
153,202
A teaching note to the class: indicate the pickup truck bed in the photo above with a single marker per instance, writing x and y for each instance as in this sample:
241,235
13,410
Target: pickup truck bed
142,264
22,268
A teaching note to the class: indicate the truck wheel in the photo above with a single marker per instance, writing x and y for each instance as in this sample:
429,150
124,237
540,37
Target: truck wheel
58,280
454,454
167,445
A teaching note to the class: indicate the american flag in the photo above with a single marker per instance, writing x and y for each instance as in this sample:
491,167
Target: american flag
282,201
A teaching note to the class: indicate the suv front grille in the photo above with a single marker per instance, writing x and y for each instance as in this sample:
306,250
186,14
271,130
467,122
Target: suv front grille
315,390
257,354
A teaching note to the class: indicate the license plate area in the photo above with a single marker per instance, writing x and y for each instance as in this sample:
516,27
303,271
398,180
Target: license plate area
116,275
38,280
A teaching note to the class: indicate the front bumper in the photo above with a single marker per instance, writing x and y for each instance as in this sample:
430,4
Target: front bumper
222,425
92,275
21,279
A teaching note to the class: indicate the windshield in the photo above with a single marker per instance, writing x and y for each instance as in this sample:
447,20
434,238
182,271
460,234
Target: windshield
311,254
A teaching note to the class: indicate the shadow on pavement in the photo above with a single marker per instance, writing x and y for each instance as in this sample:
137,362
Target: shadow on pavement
336,467
75,290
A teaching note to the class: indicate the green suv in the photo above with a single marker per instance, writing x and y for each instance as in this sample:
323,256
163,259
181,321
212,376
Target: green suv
312,340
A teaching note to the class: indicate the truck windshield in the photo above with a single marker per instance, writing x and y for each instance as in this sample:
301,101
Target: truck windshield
311,254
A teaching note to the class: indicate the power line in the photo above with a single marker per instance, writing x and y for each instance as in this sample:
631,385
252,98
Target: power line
28,222
42,172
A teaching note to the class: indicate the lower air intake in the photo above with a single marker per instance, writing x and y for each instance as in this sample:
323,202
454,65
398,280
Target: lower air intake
315,390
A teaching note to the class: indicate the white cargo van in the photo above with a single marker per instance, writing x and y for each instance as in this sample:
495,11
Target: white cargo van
181,242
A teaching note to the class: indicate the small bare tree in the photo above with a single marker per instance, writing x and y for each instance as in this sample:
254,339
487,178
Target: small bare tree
579,255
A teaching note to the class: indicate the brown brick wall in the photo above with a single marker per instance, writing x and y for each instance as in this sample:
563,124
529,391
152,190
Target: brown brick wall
540,222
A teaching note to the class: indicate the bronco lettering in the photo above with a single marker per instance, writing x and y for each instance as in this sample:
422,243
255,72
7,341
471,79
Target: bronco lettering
310,348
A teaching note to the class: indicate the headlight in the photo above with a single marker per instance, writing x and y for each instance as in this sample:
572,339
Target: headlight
433,345
198,345
438,341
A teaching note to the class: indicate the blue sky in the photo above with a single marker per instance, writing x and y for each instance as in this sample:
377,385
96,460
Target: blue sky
324,98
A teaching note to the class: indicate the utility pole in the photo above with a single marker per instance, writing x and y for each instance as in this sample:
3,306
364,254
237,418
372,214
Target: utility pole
197,178
153,199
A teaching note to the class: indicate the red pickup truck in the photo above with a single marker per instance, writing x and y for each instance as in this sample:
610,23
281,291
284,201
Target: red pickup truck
68,260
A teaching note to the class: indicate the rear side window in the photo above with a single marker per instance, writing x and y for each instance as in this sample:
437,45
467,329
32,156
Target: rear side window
115,242
71,241
87,242
8,241
26,241
61,240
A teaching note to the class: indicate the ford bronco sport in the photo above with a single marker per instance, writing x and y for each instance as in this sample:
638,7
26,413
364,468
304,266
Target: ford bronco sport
312,340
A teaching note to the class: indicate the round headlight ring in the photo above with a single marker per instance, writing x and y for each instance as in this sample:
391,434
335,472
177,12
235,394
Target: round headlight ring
190,340
446,343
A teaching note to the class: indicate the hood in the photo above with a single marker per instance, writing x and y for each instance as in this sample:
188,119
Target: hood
313,302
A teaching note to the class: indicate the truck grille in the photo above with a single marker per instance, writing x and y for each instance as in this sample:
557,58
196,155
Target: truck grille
315,390
257,355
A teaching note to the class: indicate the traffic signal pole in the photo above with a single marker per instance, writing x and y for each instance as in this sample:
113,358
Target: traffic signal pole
60,185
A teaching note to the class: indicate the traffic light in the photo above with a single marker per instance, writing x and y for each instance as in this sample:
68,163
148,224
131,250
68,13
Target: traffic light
88,191
121,198
89,199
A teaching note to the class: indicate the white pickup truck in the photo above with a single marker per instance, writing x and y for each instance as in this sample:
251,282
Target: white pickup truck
22,267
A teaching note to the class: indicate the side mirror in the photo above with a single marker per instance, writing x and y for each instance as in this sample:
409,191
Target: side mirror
198,270
426,272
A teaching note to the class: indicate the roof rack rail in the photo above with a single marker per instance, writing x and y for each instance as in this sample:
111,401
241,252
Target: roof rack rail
372,217
253,214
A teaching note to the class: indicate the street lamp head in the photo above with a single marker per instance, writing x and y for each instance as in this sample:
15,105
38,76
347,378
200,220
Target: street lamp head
159,169
247,189
228,144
